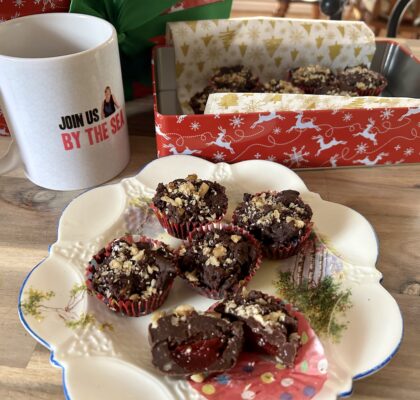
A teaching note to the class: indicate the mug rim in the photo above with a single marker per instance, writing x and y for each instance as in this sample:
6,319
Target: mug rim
105,42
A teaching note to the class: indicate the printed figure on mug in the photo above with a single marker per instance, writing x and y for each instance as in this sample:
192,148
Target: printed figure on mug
110,104
99,131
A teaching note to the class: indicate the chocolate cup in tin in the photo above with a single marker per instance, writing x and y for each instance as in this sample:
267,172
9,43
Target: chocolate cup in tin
306,89
131,308
372,92
221,294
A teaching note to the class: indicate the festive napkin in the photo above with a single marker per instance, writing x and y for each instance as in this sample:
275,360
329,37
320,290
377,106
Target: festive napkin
268,46
256,377
140,24
226,103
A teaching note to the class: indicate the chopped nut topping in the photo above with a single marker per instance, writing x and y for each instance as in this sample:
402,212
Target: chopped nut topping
192,177
254,311
127,266
115,264
191,276
206,251
298,222
183,309
133,250
204,188
235,238
167,199
219,251
186,188
156,317
212,260
139,256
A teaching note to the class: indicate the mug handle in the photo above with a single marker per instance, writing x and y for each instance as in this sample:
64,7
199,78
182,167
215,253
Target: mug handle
10,160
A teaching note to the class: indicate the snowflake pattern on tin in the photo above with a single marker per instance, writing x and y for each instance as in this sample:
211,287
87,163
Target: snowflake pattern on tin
296,157
236,121
409,151
195,126
361,148
276,130
219,156
387,113
46,4
347,117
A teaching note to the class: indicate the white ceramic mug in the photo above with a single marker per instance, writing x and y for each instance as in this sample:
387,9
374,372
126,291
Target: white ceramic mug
62,96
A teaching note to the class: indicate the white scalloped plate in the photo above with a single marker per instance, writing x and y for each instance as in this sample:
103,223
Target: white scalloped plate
105,363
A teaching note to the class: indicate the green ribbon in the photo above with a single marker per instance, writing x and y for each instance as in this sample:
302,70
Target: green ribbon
136,22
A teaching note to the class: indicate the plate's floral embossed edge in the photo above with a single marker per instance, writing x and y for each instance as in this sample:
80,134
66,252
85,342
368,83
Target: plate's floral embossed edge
56,363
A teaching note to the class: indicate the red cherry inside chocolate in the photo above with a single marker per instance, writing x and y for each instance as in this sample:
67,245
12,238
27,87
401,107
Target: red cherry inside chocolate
256,342
196,356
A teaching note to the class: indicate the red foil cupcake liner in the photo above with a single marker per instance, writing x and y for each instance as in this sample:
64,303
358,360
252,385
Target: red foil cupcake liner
306,89
178,230
372,92
131,308
216,294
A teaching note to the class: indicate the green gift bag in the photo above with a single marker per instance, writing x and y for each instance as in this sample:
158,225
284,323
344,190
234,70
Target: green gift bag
139,24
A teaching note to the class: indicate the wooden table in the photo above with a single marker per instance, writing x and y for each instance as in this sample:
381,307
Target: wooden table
387,196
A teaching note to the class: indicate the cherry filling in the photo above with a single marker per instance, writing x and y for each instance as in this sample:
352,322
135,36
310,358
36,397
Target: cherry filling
256,342
198,354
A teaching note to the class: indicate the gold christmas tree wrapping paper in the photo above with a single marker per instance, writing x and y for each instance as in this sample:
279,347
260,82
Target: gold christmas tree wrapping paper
268,46
226,103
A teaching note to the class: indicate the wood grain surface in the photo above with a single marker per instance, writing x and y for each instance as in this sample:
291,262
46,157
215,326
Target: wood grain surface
389,197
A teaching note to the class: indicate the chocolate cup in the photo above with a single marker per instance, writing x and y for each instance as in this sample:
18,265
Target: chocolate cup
217,294
130,308
306,89
281,251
